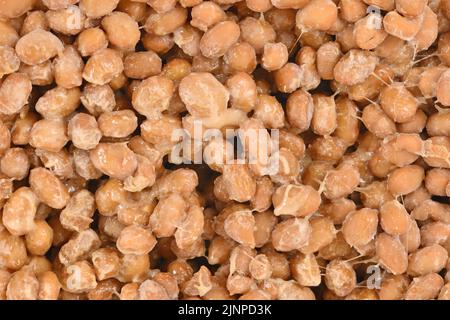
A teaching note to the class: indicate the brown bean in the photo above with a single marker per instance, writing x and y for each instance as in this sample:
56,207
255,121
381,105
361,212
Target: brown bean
405,180
48,188
391,254
103,66
164,23
355,67
360,227
427,260
114,159
217,40
317,15
117,124
202,102
49,46
291,234
83,131
424,287
257,33
14,93
295,200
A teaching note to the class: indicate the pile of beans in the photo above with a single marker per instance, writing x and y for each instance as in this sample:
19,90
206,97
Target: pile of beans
93,206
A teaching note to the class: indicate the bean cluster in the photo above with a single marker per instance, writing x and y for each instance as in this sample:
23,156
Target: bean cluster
94,206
